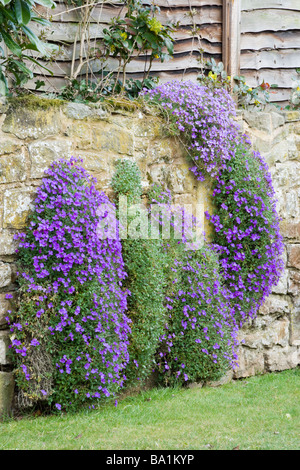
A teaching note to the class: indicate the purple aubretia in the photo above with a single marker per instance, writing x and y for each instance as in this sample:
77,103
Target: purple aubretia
246,222
73,303
246,225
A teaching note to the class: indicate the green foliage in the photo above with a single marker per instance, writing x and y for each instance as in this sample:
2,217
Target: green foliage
139,33
144,263
294,102
70,331
19,38
84,91
244,94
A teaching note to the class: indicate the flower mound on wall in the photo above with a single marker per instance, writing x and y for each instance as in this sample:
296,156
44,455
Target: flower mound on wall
245,221
71,332
199,342
200,339
204,119
247,234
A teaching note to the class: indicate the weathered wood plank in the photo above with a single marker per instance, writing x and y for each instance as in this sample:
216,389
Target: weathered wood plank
184,46
258,4
160,3
282,78
231,36
66,32
212,33
288,58
268,40
269,20
54,84
187,3
179,62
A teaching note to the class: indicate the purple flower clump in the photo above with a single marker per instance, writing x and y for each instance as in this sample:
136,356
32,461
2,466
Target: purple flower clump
204,117
73,301
246,224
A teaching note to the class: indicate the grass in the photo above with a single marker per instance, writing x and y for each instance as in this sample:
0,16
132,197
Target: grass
257,413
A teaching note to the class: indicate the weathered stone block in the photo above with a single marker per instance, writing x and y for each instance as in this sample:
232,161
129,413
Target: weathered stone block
5,274
276,333
261,121
286,175
294,282
44,153
77,111
8,245
4,344
12,168
7,385
81,134
180,179
277,119
291,116
17,205
295,323
294,256
274,304
5,305
282,285
160,152
251,362
80,111
32,123
9,146
147,127
279,358
113,139
290,229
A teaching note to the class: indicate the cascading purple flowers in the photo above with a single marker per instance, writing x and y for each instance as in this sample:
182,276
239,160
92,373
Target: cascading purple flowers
246,223
247,235
204,119
73,305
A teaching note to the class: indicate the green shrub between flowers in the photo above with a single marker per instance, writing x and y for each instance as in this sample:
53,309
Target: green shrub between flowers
76,338
144,263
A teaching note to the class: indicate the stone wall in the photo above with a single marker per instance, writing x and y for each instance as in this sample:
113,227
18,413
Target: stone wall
35,133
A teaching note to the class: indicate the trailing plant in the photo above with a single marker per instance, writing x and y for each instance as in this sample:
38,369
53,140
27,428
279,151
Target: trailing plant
145,263
16,34
247,233
199,341
203,117
246,222
243,94
70,336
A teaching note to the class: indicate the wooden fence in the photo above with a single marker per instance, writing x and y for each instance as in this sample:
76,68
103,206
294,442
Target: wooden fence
259,39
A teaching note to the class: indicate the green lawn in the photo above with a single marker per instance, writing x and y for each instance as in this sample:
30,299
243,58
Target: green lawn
257,413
